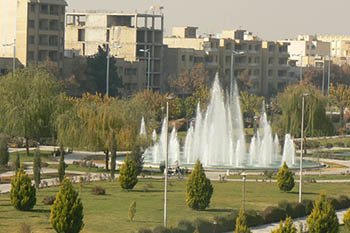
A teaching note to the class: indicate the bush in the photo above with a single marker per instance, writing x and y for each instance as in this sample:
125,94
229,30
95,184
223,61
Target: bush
162,166
144,230
98,190
334,202
23,193
49,200
161,229
273,214
185,226
128,174
203,226
132,211
323,218
67,210
309,205
287,227
298,210
225,223
4,152
241,223
254,218
344,202
199,189
339,144
329,145
285,179
347,220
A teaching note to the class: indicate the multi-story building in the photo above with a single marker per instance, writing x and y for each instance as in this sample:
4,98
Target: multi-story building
340,47
35,27
135,37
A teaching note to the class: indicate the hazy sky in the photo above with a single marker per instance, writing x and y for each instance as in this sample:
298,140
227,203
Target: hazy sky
269,19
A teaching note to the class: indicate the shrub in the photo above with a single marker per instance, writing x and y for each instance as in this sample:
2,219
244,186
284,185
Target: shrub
4,152
128,174
285,179
329,145
323,217
287,227
67,210
298,210
286,206
334,202
254,218
49,200
132,211
225,223
241,223
161,229
273,214
203,225
144,230
347,220
98,190
199,189
344,202
23,193
309,205
185,226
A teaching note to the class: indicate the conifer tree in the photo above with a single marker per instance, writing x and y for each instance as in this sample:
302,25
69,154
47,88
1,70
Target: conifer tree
347,220
23,193
67,210
287,227
17,163
4,153
61,166
113,156
241,223
323,218
37,168
285,179
128,174
199,189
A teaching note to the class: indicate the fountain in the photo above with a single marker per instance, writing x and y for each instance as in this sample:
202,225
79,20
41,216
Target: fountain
217,138
143,127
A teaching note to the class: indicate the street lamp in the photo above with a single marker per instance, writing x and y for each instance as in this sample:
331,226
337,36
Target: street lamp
329,74
244,175
233,53
148,51
107,72
14,55
301,144
170,97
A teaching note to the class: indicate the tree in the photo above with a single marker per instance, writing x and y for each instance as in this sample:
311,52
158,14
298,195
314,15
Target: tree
128,174
137,156
23,193
67,210
96,72
341,98
285,179
287,227
199,189
27,103
132,211
323,218
61,166
113,156
4,153
347,220
241,223
37,168
251,104
17,163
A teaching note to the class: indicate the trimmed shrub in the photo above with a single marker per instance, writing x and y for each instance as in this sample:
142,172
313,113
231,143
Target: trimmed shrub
49,200
347,220
67,210
285,178
309,205
144,230
254,218
185,226
323,218
199,189
161,229
203,225
334,202
241,223
287,227
23,193
98,190
286,206
298,210
344,202
128,174
273,214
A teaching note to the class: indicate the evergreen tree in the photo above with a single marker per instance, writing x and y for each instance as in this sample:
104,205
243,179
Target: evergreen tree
241,223
128,174
61,167
199,189
285,178
4,153
132,211
17,162
37,168
137,156
113,156
67,210
23,193
347,220
287,227
323,218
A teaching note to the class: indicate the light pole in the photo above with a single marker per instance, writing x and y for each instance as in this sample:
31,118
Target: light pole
301,144
329,74
14,55
148,51
107,71
323,69
244,175
233,53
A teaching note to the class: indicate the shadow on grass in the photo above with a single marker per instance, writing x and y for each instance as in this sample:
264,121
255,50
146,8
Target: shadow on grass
307,193
40,211
148,191
219,210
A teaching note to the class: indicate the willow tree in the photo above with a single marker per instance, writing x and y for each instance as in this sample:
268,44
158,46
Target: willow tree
316,123
341,98
27,103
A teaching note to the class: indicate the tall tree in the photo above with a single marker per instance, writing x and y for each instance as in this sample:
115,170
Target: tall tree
61,165
341,98
23,193
27,103
251,104
113,155
241,223
37,168
4,153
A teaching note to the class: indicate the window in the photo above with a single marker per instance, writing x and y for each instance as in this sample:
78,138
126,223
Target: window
191,58
54,25
43,40
31,40
53,40
183,57
54,9
31,23
53,55
269,73
31,56
44,24
81,34
42,55
32,7
44,8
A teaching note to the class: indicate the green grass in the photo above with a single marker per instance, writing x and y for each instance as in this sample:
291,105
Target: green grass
46,156
109,213
342,229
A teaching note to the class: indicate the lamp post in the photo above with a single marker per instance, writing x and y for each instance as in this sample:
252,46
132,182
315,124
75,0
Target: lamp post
233,53
323,69
14,55
148,51
244,175
329,74
301,145
107,71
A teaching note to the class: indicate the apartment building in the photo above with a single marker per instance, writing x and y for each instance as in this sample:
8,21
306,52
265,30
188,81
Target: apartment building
134,37
35,27
340,47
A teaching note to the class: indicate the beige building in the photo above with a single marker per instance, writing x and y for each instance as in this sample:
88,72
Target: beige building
340,47
136,38
36,27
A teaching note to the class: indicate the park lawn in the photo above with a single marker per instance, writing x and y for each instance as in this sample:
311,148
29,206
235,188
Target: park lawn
342,229
46,156
109,213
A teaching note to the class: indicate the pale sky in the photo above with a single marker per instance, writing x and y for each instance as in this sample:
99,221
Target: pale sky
269,19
